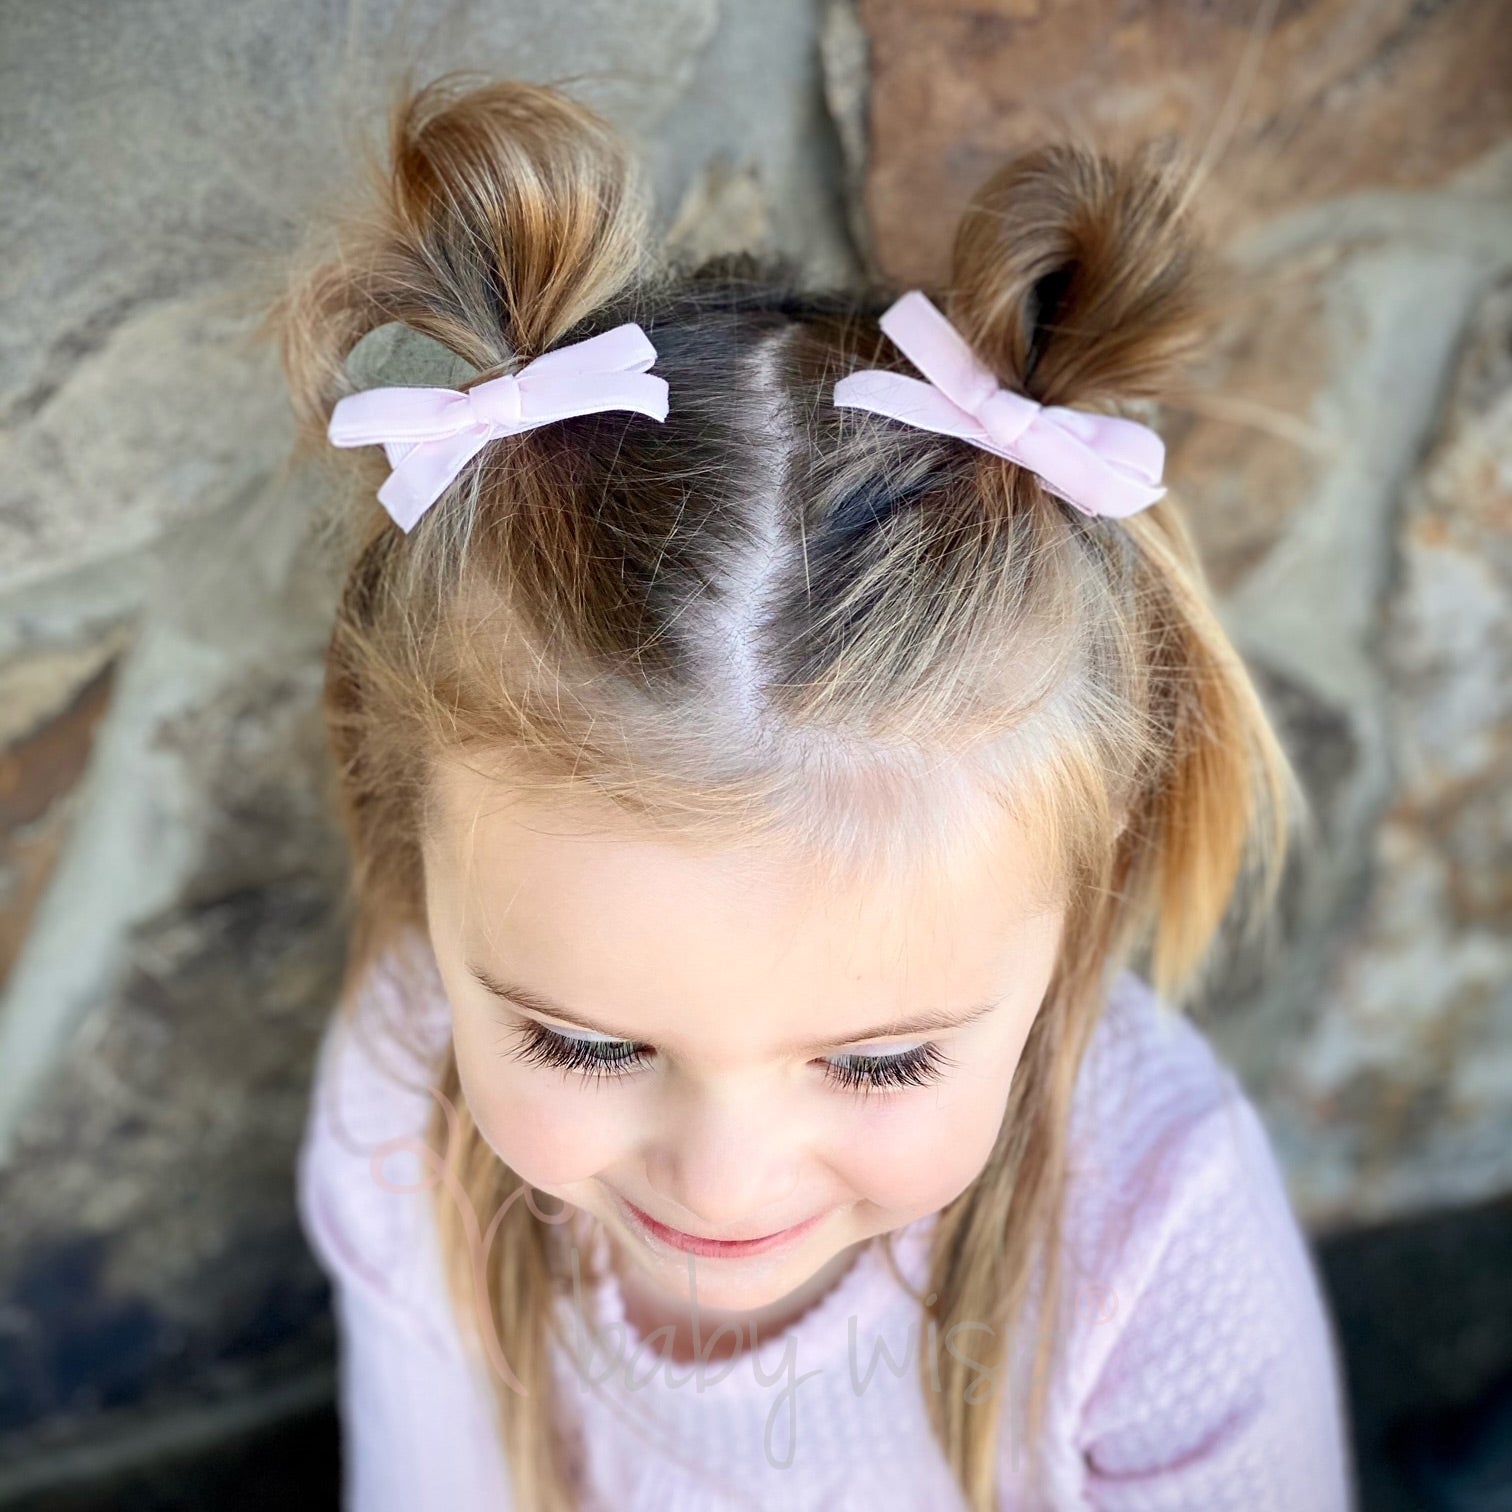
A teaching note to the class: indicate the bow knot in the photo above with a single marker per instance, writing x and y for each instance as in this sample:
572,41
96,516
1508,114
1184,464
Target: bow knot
1005,416
497,402
431,434
1101,464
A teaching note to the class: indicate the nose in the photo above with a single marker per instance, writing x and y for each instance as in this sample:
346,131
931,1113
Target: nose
726,1165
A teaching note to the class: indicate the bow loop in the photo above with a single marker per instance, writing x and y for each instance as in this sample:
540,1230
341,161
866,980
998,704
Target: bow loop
1101,464
430,434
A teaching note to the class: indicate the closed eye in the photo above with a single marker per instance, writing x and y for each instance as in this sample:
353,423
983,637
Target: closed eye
592,1055
599,1058
915,1067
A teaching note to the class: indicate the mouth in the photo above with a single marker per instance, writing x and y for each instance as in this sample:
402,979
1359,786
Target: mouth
718,1249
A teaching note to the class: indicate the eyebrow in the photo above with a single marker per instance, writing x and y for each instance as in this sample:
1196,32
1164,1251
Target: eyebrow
932,1020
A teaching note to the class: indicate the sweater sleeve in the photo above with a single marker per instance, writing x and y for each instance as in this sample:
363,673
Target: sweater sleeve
1221,1386
416,1413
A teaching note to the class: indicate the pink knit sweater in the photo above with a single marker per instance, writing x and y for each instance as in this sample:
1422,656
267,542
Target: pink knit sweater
1198,1367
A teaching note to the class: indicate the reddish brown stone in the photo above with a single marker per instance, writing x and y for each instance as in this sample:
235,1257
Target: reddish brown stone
1346,97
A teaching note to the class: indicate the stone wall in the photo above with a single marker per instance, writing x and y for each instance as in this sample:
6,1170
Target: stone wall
169,883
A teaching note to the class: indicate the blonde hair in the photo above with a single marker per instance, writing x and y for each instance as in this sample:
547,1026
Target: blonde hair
768,617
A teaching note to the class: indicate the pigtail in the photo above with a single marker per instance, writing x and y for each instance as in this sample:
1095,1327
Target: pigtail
1077,279
524,208
1081,280
502,215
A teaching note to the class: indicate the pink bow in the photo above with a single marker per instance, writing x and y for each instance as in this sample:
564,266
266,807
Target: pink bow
430,434
1101,464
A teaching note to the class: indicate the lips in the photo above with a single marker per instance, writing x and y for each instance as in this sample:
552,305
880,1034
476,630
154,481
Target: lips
717,1249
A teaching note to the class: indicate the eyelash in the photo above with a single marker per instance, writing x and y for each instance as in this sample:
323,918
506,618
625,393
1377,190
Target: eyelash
543,1047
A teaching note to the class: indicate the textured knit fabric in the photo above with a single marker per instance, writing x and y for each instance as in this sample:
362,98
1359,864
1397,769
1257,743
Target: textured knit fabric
1197,1368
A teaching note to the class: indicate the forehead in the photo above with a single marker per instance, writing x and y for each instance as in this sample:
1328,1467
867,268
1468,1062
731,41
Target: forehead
575,901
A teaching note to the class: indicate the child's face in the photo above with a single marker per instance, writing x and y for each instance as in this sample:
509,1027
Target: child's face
728,996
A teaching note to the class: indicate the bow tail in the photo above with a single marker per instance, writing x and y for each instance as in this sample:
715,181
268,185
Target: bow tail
1083,477
423,471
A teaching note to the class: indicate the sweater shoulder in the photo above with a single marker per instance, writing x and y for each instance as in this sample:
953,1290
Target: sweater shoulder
1153,1116
1149,1075
377,1072
366,1169
1202,1369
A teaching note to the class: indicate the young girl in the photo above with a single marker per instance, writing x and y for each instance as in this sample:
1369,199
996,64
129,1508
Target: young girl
771,727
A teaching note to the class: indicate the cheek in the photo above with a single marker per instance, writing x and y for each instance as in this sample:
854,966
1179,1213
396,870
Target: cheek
921,1151
549,1134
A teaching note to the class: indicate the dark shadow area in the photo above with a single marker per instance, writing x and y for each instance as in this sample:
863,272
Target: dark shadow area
292,1463
1424,1311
